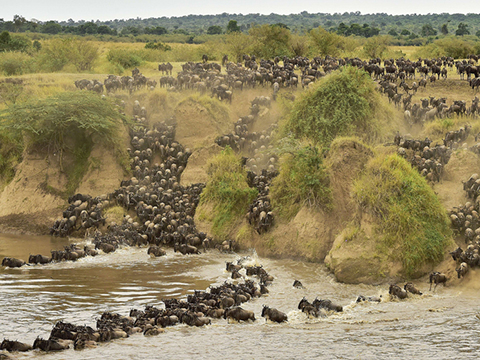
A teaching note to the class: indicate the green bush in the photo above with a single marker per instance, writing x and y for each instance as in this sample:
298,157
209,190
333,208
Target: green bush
302,180
227,191
343,103
15,63
125,58
450,46
158,46
61,122
411,223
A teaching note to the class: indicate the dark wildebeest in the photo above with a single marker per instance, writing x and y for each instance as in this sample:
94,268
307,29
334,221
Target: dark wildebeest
10,346
397,291
327,305
273,314
437,278
297,284
409,287
239,314
12,262
156,251
49,345
307,308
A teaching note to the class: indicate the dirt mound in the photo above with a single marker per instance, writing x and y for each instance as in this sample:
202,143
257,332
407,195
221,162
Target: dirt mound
32,201
311,233
25,203
462,165
196,170
200,121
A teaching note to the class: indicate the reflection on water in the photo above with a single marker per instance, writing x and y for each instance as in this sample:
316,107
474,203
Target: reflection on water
33,298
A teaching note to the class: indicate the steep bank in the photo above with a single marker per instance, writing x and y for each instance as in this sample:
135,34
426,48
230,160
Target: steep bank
400,229
311,232
33,200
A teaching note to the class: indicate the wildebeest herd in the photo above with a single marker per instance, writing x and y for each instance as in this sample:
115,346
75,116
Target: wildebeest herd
165,209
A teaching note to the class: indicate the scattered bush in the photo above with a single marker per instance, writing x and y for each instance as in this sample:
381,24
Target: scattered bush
343,103
227,192
411,223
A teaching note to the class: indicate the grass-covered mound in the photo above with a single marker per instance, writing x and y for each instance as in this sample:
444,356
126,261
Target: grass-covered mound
302,180
226,197
341,104
400,221
66,126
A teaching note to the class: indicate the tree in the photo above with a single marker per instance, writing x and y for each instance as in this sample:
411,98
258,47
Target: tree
405,32
462,29
232,27
444,29
238,44
214,30
326,43
376,46
477,33
18,22
270,41
428,30
51,27
393,32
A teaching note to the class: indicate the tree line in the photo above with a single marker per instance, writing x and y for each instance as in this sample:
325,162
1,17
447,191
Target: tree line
407,27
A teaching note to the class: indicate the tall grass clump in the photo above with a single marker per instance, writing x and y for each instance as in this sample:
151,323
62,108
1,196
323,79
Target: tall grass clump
67,123
10,155
411,223
302,180
343,103
227,192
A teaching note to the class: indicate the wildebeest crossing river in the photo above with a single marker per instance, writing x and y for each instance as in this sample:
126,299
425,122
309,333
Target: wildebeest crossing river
33,298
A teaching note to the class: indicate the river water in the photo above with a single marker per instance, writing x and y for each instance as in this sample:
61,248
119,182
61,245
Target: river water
440,325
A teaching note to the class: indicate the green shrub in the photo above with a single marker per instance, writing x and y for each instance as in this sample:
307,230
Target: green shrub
411,223
64,122
15,63
302,180
343,103
125,58
227,191
158,46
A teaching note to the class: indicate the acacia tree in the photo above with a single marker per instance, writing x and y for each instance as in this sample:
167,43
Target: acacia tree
462,30
270,41
326,43
238,44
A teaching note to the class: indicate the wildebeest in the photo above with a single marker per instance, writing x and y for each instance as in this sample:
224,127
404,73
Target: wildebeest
39,259
273,314
362,298
12,262
156,251
307,308
462,270
49,345
10,346
409,287
327,305
239,314
437,278
397,291
297,284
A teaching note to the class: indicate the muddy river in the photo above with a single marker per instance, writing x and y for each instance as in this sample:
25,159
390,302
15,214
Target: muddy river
440,325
